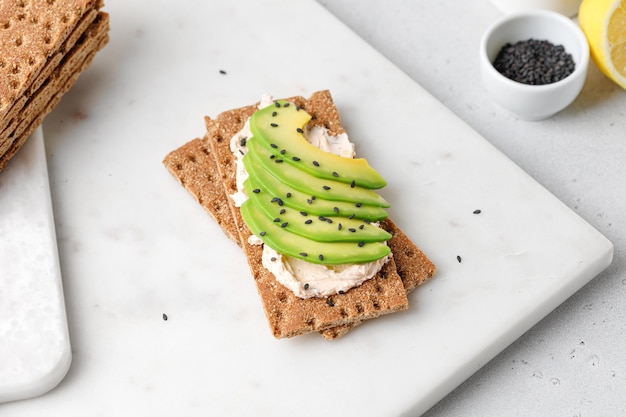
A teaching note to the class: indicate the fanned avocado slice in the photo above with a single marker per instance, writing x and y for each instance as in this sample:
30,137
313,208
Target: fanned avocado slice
291,244
281,127
305,203
303,182
319,228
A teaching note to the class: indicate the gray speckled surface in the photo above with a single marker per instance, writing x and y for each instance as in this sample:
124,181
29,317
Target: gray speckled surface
571,363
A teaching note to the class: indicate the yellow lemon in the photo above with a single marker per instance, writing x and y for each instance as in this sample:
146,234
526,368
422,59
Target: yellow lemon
604,24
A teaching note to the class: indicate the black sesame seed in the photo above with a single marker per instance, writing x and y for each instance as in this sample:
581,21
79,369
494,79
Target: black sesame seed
312,197
322,218
242,141
308,221
361,226
164,317
278,161
298,108
286,105
352,229
282,211
534,62
263,233
284,224
280,202
274,113
306,286
299,130
326,187
476,212
274,199
352,216
330,302
341,292
316,163
283,151
272,156
329,221
335,174
288,195
336,209
359,204
273,259
321,257
310,201
304,213
276,220
304,254
277,104
274,124
339,226
361,244
241,152
458,258
222,72
295,158
273,145
256,190
353,184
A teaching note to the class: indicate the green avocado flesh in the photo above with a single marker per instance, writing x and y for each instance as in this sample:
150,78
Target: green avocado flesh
306,183
319,211
319,228
280,128
291,244
314,206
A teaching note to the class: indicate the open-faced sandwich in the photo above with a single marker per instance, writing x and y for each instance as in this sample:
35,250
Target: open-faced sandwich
282,180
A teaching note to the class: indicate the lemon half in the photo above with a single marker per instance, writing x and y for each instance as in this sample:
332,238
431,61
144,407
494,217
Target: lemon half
604,25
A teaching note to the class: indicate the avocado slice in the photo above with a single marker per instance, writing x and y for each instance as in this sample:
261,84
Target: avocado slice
319,228
302,181
291,244
281,127
305,203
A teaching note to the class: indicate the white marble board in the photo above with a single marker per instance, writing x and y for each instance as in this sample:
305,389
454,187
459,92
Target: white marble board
134,245
35,349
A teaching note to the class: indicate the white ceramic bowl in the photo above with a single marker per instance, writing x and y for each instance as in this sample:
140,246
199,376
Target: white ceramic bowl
534,102
566,7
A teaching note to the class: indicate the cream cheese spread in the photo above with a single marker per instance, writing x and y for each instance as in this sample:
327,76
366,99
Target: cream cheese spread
303,278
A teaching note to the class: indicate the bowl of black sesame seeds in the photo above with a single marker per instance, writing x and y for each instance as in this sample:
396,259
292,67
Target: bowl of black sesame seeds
534,63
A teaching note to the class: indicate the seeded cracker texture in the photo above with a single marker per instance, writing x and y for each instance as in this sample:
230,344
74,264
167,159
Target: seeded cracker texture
206,168
45,45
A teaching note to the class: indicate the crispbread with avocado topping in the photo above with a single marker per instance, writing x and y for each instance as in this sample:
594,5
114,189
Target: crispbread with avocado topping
287,314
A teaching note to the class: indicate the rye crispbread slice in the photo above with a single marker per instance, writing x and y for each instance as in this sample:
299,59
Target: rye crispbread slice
289,315
45,46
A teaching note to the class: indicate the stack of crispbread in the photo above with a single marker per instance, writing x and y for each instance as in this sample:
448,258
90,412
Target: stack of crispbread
44,46
207,169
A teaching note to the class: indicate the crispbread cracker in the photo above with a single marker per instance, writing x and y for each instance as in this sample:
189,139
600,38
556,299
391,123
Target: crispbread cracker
194,167
287,314
45,46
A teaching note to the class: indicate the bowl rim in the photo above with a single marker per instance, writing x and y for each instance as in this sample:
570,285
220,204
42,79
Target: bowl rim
573,28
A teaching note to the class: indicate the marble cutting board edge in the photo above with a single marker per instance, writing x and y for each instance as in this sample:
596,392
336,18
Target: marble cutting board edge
35,352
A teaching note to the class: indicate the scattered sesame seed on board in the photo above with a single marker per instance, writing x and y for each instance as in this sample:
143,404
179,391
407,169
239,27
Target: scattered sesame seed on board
458,258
